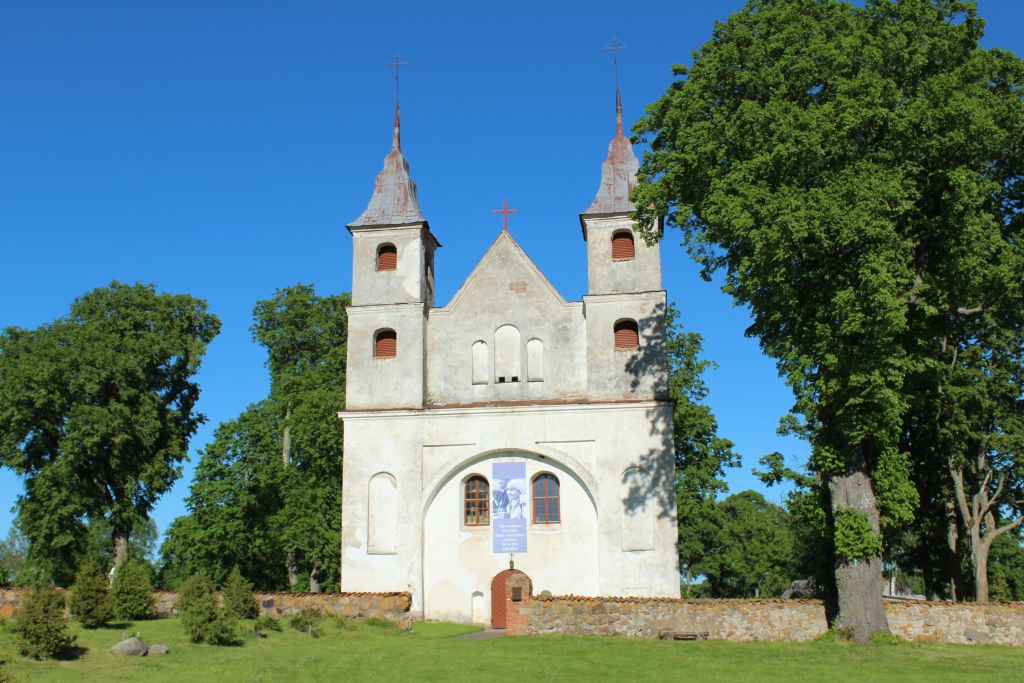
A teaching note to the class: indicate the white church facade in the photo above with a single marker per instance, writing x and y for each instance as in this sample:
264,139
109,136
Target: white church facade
509,425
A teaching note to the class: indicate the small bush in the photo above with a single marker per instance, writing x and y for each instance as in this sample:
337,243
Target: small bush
89,597
132,592
201,618
383,624
346,624
238,597
886,638
265,623
41,627
307,621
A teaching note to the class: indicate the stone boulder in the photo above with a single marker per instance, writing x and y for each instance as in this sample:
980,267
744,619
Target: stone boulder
159,649
133,647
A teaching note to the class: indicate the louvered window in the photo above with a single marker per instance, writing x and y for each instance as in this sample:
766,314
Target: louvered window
622,246
387,257
627,335
385,344
476,501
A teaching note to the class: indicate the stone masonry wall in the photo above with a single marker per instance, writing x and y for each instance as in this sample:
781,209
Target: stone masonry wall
391,606
945,622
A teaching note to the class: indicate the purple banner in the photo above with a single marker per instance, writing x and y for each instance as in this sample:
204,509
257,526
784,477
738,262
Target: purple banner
509,500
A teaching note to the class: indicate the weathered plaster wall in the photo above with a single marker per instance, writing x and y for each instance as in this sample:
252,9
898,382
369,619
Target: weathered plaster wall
946,622
430,452
505,289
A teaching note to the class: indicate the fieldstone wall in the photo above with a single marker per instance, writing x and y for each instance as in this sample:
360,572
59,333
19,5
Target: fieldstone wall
957,622
647,617
391,606
945,622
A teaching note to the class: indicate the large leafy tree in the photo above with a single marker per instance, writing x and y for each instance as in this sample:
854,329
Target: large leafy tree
855,172
306,340
701,455
96,411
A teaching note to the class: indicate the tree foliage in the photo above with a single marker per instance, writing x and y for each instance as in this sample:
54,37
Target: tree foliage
236,493
752,555
855,172
40,625
89,598
96,410
701,455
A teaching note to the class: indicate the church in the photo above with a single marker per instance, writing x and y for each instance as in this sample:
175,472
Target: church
508,431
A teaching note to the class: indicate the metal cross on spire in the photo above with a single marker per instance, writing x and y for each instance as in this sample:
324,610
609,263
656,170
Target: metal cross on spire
396,65
505,210
614,48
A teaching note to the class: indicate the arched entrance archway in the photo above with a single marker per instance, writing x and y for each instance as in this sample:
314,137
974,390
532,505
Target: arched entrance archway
500,596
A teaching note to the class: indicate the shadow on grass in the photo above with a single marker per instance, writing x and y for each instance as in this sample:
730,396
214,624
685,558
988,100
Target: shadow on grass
71,653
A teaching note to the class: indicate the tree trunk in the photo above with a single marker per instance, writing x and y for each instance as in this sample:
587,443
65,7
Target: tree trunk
689,581
953,552
120,547
858,581
981,572
286,458
314,577
293,571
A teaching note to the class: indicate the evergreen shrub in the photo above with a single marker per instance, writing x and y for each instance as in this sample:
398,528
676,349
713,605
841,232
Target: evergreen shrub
238,596
89,598
40,625
132,591
201,618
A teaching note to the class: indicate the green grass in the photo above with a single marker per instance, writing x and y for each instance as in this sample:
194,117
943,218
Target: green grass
376,653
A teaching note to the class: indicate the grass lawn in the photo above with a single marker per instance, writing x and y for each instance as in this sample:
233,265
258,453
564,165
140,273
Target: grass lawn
430,653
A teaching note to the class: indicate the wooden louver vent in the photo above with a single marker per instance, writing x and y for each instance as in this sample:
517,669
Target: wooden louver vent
387,257
622,246
627,335
386,344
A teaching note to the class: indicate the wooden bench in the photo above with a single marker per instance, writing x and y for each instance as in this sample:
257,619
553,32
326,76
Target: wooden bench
683,635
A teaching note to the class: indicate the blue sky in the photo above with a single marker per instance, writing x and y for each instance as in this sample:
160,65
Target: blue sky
219,149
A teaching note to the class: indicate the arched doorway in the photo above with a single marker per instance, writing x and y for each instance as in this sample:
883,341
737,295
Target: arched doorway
499,595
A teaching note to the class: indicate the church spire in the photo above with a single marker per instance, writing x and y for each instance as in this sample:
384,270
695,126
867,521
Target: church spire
394,200
618,172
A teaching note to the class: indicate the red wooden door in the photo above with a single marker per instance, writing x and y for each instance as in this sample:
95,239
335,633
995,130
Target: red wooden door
498,604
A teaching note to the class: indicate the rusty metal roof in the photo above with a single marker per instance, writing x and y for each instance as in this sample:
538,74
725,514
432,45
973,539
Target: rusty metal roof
394,193
618,172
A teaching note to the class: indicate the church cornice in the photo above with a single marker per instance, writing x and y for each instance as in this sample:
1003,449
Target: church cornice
507,407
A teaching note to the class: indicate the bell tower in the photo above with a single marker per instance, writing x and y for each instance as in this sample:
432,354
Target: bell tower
392,286
625,304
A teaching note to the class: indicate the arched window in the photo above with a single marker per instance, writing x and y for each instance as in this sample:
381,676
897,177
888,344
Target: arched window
535,360
545,499
387,257
476,500
627,335
385,344
480,370
622,246
506,354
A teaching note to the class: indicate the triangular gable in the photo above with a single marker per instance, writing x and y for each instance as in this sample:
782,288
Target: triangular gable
506,256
